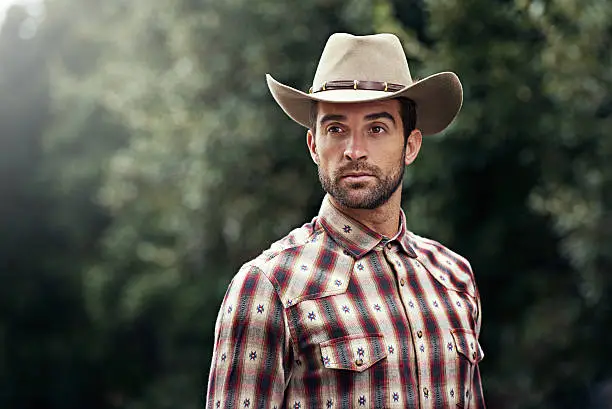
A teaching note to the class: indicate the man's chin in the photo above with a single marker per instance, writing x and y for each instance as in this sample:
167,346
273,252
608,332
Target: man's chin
355,200
360,187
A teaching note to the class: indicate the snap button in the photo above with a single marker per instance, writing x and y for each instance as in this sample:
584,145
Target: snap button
420,334
402,282
389,245
359,362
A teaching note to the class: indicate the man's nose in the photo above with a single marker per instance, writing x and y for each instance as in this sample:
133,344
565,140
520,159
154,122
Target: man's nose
355,148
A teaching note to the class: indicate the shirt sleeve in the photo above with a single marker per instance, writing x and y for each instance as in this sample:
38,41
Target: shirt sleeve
250,364
478,401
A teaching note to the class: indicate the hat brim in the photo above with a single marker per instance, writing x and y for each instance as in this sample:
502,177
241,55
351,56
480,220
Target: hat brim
438,99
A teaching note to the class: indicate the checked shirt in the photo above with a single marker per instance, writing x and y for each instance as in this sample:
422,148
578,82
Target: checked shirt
335,315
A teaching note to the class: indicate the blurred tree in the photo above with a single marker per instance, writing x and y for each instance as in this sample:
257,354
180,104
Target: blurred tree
43,324
576,170
52,356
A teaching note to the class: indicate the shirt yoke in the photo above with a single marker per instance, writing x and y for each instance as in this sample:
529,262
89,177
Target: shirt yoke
450,268
305,264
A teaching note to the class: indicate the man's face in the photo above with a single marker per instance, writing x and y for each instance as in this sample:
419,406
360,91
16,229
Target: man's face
360,151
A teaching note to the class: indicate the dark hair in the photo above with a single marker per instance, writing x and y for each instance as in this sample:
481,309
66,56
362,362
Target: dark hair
407,113
409,116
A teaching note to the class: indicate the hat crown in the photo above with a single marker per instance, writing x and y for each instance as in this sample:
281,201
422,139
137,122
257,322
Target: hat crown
378,57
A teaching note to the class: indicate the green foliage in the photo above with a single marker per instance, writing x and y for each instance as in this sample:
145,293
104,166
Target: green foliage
147,161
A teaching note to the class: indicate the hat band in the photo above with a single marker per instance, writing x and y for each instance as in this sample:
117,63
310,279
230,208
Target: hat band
355,84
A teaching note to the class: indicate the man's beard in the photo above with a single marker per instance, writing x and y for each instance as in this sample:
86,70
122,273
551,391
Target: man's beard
374,197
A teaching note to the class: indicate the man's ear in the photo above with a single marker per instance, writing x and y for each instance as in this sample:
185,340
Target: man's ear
312,146
413,146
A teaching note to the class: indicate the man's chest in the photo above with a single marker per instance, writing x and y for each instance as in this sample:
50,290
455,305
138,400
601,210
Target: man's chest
398,333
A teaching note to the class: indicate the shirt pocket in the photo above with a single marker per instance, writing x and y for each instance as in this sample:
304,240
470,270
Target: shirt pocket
467,344
353,352
462,363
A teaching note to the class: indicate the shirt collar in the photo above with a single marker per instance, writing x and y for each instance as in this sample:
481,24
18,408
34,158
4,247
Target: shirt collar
356,238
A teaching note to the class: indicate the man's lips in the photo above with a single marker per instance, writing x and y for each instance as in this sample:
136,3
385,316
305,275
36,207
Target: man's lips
356,177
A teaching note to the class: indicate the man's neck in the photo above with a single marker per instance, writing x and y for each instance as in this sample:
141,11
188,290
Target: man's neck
383,220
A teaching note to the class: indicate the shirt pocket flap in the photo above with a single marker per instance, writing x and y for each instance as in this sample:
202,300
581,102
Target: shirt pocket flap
353,352
466,343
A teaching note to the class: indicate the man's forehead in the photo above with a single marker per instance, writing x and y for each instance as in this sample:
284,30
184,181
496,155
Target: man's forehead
392,106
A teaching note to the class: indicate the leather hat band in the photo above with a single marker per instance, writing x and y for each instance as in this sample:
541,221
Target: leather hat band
355,84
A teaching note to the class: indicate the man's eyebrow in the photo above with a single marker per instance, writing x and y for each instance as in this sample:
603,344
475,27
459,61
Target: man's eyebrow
331,118
379,115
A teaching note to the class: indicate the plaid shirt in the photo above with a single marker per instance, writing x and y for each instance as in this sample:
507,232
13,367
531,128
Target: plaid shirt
336,316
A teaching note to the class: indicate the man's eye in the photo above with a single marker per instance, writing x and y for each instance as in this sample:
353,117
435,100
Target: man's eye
334,129
377,129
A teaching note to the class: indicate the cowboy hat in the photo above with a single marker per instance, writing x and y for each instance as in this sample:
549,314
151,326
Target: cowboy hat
371,68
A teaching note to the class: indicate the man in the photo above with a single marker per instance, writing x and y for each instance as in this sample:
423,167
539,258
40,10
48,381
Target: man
353,310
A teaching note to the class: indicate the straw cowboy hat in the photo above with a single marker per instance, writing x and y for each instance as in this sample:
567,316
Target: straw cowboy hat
371,68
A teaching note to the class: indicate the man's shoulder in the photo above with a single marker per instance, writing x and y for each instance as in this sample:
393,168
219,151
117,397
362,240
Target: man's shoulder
436,249
296,264
451,268
294,241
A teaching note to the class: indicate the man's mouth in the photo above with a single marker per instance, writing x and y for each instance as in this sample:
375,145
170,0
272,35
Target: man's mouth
357,176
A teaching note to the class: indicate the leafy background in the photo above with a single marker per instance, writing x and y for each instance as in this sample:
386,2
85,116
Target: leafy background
142,161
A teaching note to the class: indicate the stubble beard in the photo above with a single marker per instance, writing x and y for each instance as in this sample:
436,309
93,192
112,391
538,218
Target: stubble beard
350,196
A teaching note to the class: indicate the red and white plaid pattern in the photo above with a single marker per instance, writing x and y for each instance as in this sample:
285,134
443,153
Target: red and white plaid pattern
336,316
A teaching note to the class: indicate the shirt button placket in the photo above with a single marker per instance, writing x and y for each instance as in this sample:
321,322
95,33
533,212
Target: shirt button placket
415,271
410,307
394,260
